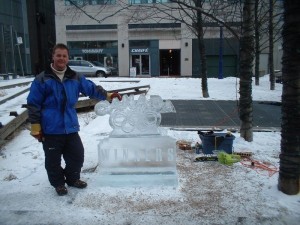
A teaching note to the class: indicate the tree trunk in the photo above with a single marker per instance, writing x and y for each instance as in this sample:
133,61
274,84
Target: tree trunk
246,63
289,171
271,46
257,48
203,67
203,63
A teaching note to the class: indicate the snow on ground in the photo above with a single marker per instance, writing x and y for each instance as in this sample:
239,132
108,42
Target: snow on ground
208,192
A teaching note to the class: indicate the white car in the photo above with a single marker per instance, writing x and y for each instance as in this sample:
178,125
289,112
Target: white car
114,71
87,68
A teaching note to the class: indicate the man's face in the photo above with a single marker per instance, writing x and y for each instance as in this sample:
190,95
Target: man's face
60,59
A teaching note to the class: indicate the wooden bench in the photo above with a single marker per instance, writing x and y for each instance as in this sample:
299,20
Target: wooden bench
6,130
137,90
5,76
12,126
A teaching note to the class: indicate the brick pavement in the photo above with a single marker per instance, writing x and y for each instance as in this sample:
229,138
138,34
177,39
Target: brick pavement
221,114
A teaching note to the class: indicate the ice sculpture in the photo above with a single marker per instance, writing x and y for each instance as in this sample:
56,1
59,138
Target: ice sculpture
136,153
135,117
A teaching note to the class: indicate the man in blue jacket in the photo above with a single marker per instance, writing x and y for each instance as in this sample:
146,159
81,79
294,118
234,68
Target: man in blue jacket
52,114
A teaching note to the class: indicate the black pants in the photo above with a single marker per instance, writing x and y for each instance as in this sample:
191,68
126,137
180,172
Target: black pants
70,147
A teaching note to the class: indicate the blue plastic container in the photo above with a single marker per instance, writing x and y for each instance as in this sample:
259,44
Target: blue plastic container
216,141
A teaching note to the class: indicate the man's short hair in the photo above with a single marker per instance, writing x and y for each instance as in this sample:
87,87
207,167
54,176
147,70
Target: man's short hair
60,46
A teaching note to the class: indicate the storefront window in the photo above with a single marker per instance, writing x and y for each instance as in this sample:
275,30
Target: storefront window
92,44
147,1
101,53
90,2
140,44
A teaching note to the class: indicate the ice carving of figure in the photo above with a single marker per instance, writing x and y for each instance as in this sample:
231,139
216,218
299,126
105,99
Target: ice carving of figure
135,117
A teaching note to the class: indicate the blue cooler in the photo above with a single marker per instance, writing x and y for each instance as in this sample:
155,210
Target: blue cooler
216,141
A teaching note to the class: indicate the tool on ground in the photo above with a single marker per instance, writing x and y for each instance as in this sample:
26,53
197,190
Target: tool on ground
198,148
184,145
260,167
206,157
244,154
228,159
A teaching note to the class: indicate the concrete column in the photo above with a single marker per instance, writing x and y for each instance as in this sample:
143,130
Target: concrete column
123,48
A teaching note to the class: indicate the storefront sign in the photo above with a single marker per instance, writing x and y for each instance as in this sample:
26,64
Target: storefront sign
139,50
92,51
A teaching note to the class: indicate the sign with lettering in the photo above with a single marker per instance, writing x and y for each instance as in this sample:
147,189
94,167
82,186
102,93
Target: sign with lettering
92,50
140,151
139,50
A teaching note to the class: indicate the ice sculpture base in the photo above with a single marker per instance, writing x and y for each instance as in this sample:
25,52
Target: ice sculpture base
137,161
135,179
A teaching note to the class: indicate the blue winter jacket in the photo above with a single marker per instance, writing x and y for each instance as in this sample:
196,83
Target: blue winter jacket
51,102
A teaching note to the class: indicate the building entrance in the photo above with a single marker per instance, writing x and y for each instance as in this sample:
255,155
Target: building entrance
141,63
170,62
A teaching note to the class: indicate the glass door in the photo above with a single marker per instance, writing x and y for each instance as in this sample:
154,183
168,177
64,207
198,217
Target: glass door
141,63
170,62
135,62
145,64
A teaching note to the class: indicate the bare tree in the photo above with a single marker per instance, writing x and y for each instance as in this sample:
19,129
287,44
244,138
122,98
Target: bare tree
185,9
263,25
188,12
201,47
246,64
199,13
257,24
271,47
289,171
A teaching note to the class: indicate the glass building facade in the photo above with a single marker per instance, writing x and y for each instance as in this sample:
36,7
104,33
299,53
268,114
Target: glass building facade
27,35
14,38
99,51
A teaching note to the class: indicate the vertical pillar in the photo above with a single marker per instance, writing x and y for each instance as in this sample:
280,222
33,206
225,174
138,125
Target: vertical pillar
221,54
12,50
3,63
19,42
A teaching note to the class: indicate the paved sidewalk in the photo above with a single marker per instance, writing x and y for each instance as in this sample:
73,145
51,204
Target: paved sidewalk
220,114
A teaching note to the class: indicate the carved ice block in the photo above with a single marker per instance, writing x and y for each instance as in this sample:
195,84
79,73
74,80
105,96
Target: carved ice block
136,153
137,161
131,117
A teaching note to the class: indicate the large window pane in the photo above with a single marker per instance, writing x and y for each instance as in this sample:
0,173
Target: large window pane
147,1
92,44
90,2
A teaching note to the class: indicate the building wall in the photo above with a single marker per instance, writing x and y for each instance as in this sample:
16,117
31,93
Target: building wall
32,21
229,57
13,27
178,39
160,38
41,28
